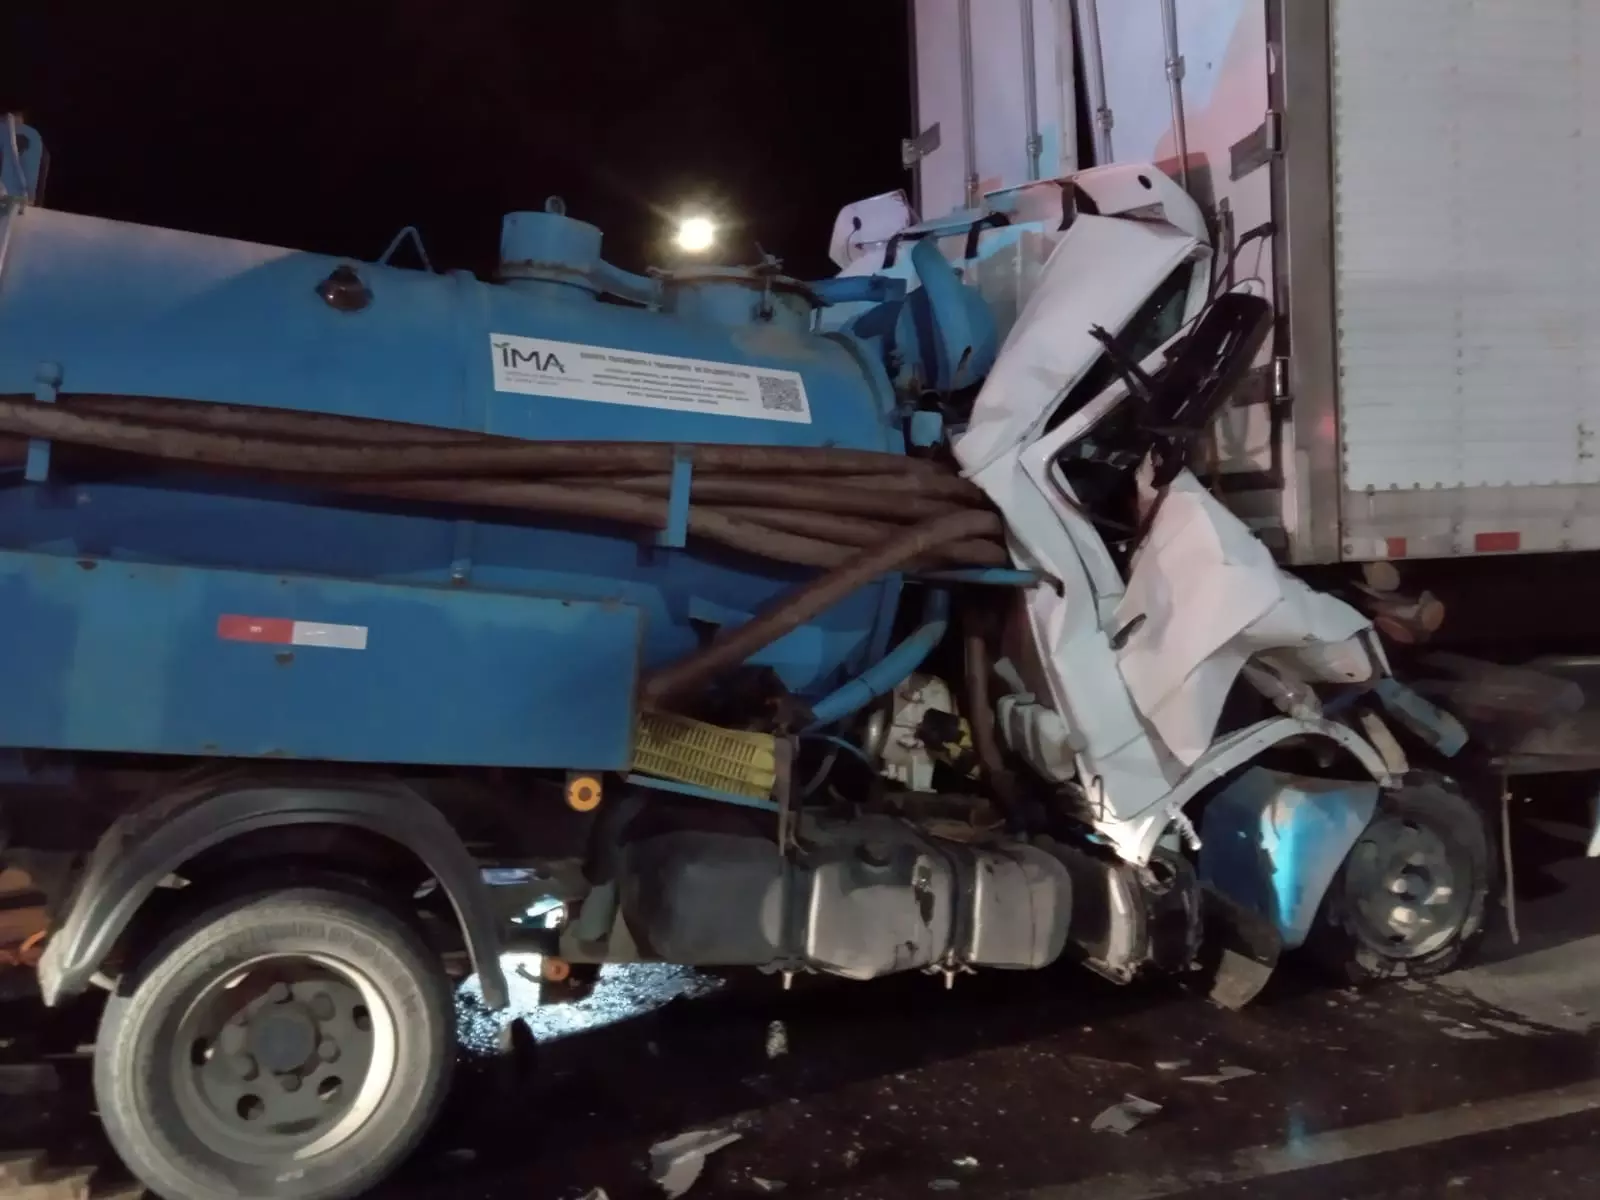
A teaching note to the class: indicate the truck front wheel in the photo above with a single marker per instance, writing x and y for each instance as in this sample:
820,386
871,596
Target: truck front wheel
293,1045
1410,899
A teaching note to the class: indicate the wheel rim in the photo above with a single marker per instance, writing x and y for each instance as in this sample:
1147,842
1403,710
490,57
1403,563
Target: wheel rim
1408,893
283,1058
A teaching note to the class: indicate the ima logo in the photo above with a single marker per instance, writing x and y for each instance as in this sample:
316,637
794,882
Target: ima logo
511,358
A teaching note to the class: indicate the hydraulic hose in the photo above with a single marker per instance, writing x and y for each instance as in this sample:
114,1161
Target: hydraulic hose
20,414
885,488
861,533
780,493
980,714
287,423
812,507
732,646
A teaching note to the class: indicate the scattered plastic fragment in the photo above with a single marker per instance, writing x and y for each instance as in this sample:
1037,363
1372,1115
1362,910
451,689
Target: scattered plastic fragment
1175,1065
1223,1076
966,1162
1125,1117
676,1163
945,1185
777,1040
769,1186
1512,1027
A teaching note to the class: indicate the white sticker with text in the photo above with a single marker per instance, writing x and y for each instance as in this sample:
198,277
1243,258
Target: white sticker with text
572,371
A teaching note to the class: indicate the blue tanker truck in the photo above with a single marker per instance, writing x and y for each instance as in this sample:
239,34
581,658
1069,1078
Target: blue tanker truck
351,611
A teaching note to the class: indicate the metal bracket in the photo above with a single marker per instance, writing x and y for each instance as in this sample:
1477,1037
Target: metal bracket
47,384
676,535
410,231
1258,148
1280,379
783,789
461,551
914,149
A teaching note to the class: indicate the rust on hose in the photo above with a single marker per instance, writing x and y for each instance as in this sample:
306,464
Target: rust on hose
286,423
732,646
801,512
604,504
980,714
24,416
859,532
951,488
816,495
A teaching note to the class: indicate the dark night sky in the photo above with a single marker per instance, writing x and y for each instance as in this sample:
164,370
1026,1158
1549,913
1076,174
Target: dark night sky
329,126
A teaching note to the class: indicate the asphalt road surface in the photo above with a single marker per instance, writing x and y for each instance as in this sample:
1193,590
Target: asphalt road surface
1484,1085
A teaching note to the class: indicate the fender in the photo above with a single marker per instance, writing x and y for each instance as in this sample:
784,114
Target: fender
1136,840
142,847
1273,843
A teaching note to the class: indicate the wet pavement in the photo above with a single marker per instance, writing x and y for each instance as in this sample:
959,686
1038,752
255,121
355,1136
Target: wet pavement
902,1089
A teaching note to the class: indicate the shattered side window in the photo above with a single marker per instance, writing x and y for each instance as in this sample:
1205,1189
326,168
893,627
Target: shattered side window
1155,321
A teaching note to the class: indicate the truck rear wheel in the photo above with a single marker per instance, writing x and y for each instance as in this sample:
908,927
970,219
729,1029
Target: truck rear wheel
293,1045
1410,899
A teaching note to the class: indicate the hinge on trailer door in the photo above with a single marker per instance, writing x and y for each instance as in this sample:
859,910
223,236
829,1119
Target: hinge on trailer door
914,150
1257,148
1280,379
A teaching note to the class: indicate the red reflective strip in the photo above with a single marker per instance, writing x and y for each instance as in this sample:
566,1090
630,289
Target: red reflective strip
275,630
1497,543
1394,547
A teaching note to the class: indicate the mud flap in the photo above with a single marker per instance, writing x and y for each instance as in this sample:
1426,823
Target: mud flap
1239,952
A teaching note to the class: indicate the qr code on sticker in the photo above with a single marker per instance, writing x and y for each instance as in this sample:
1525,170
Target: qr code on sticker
780,395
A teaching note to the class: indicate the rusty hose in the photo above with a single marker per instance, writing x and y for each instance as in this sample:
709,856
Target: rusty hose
879,491
285,423
861,533
818,518
24,416
980,714
732,646
786,536
817,496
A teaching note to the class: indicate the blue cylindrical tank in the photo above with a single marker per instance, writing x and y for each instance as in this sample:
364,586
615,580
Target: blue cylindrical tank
709,356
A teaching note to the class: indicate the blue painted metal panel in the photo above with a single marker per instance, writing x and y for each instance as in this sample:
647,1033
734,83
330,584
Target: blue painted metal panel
1273,843
141,311
271,531
120,656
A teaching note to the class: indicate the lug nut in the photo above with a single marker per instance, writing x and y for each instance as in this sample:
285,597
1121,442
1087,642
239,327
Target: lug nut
290,1083
278,993
328,1050
244,1066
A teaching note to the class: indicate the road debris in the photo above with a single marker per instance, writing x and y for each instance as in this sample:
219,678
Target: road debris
966,1162
1467,1033
1225,1075
676,1163
595,1194
770,1186
1512,1027
1125,1117
945,1185
1175,1065
777,1039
